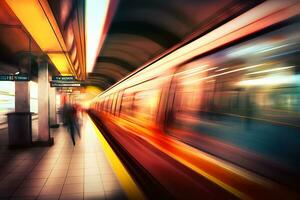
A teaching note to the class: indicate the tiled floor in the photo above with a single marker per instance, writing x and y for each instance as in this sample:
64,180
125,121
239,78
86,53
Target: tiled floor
59,172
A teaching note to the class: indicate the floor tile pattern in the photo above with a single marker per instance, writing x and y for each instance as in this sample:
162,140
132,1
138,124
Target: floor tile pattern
59,172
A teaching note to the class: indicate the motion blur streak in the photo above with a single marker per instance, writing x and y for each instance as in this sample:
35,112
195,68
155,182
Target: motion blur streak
254,20
236,180
225,106
126,181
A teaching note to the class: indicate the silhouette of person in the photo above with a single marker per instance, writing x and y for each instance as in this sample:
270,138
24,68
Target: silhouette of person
70,117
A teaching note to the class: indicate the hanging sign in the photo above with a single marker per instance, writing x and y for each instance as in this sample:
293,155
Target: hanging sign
63,78
19,77
65,84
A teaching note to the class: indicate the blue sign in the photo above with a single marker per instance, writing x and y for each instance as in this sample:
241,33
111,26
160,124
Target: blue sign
19,77
63,78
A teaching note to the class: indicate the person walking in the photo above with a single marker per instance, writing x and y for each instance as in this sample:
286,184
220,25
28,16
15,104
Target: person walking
69,116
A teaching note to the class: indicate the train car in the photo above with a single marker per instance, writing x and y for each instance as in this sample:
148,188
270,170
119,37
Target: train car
220,113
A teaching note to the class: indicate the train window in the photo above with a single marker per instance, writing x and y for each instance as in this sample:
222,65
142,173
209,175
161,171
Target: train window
127,101
106,104
145,105
101,105
114,100
103,102
140,103
245,97
98,106
118,103
110,103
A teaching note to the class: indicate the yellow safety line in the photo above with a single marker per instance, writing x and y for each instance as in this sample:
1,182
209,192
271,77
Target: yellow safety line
131,189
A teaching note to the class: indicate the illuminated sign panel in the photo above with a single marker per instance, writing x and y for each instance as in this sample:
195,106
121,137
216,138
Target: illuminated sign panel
63,78
6,77
64,81
65,84
19,77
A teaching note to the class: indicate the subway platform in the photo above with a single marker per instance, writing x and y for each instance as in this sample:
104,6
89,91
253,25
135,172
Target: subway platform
62,171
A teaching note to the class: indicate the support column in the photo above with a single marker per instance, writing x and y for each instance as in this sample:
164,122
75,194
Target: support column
22,96
43,104
52,99
19,122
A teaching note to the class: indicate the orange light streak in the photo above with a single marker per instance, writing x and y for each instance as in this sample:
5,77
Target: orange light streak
238,181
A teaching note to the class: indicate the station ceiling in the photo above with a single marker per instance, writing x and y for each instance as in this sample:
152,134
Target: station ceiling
143,30
32,30
14,42
140,31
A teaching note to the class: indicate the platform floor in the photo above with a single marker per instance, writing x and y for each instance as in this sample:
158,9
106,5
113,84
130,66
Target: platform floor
59,172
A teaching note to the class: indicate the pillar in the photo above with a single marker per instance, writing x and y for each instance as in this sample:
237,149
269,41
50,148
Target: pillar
22,96
52,106
43,103
19,122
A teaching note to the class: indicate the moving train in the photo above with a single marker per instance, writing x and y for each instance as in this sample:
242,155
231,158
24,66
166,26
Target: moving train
219,116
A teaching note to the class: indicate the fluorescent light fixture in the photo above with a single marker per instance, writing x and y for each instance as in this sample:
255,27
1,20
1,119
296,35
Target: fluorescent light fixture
60,61
192,70
273,48
245,51
271,70
38,19
223,73
95,18
223,69
199,72
269,81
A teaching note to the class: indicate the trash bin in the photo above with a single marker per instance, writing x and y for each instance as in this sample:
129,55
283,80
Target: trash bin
19,129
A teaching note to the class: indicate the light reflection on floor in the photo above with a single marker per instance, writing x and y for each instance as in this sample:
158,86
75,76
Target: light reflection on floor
59,172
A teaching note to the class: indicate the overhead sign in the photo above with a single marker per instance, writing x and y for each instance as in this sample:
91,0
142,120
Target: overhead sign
63,78
65,84
19,77
22,77
64,81
6,77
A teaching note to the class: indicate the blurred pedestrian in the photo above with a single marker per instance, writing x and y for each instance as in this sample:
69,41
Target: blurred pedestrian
70,116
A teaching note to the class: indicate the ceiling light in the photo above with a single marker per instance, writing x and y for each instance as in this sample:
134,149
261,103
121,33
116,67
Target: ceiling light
38,19
95,18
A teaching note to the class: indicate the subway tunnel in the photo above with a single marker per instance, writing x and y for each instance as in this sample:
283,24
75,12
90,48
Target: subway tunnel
149,99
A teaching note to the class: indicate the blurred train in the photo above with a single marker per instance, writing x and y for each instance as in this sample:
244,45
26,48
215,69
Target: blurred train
225,105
